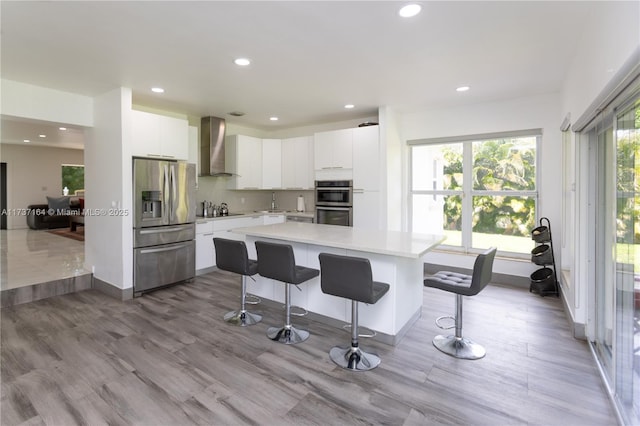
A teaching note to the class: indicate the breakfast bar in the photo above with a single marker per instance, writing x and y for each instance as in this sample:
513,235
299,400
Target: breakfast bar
396,258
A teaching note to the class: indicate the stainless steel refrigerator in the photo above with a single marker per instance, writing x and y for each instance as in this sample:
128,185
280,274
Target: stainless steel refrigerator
164,226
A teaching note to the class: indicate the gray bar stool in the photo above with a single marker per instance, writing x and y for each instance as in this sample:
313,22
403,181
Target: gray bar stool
351,278
277,261
231,255
462,285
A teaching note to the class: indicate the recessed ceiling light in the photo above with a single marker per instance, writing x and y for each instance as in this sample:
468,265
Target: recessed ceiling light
410,10
26,141
42,136
243,62
462,89
349,106
157,89
62,128
273,118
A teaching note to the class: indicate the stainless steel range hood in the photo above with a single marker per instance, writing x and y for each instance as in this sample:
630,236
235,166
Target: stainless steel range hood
212,131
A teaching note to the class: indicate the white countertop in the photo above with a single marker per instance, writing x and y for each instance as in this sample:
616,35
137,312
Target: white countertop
395,243
202,219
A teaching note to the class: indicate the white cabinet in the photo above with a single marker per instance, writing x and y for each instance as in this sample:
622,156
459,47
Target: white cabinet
297,163
243,158
271,164
274,218
366,158
205,254
207,230
367,202
174,137
159,136
333,150
366,209
146,134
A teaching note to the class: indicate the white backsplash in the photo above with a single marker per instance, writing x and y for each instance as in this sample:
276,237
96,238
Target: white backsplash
214,189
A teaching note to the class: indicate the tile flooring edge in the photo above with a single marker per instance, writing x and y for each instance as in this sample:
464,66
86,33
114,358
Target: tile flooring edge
31,293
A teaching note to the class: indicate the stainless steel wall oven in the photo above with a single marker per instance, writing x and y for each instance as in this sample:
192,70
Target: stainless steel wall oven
334,202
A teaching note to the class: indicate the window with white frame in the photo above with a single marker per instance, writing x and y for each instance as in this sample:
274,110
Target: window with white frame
478,191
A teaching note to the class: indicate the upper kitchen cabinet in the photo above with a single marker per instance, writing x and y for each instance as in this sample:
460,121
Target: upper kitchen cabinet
333,150
243,159
297,163
366,158
271,164
160,136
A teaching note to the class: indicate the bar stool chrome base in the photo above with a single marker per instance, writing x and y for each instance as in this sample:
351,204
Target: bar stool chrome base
242,318
354,359
459,347
289,335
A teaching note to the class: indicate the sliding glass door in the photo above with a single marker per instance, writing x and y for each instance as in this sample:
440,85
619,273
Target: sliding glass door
627,259
615,145
604,180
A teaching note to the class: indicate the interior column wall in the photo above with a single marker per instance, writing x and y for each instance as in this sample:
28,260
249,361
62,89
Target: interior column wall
108,251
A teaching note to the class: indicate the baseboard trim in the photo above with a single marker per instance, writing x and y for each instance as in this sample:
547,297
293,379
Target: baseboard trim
111,290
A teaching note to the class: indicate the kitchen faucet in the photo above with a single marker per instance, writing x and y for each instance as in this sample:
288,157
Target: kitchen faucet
273,201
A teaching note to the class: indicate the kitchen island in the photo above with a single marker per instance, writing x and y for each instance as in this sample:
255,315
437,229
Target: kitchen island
396,258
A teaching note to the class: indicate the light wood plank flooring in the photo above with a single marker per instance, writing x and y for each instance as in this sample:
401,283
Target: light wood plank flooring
168,359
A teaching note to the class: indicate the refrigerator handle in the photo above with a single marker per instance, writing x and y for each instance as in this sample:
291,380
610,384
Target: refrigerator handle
162,249
166,209
163,229
174,189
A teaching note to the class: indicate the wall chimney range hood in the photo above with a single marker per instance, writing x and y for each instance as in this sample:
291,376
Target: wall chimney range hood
212,132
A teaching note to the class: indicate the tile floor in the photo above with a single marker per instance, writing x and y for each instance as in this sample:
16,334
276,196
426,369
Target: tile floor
29,257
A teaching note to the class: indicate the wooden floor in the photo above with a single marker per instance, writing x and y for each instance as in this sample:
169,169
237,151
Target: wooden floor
168,359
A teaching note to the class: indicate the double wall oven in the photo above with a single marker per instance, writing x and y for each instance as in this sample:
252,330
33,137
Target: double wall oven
334,202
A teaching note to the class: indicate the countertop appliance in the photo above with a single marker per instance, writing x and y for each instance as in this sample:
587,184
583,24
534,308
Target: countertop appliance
164,227
334,202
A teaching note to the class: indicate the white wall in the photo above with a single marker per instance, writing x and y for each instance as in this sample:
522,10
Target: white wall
33,173
538,112
108,247
602,51
40,103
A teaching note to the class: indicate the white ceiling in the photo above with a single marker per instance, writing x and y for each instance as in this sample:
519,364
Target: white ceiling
309,58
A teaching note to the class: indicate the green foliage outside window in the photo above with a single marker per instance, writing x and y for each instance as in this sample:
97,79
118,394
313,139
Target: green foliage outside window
498,165
628,177
73,178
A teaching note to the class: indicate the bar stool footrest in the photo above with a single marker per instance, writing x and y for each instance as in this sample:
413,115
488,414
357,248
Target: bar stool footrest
252,299
371,333
297,314
446,317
